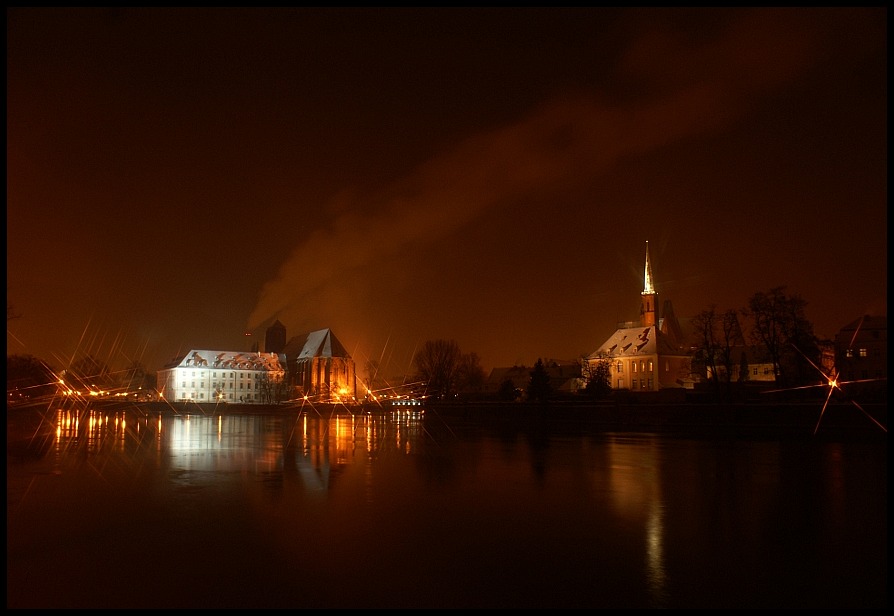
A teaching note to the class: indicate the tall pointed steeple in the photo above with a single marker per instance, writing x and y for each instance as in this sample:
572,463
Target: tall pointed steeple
649,308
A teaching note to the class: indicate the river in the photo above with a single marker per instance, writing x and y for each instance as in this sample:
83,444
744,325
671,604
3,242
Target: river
409,508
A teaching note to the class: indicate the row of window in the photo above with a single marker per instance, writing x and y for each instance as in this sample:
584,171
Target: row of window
232,375
850,353
636,384
201,396
214,385
641,365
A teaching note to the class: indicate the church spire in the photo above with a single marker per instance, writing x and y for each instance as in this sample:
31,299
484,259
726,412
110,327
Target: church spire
649,308
648,289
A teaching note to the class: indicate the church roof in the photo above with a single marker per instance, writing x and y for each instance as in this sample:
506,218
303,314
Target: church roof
320,343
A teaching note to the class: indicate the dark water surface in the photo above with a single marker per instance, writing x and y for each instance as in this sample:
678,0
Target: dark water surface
407,509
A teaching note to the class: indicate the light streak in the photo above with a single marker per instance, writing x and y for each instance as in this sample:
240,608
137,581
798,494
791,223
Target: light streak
832,382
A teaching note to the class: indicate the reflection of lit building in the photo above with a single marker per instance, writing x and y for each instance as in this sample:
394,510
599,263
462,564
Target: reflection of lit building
649,355
320,367
223,376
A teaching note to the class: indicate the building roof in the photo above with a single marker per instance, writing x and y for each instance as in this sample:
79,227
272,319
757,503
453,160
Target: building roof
320,343
631,341
237,360
867,322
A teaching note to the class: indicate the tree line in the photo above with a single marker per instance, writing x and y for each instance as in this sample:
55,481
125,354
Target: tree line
778,333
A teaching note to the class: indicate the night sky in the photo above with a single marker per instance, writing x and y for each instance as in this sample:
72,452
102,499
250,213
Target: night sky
177,178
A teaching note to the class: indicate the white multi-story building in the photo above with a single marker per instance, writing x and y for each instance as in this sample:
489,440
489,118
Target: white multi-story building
224,376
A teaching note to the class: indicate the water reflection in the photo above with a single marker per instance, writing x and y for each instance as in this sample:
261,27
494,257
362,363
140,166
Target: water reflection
316,509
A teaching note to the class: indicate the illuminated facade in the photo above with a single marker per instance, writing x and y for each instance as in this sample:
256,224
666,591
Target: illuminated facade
648,355
320,368
204,376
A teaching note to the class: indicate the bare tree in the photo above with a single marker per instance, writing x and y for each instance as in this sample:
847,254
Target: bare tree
437,364
707,346
717,337
781,328
273,386
470,376
28,377
88,373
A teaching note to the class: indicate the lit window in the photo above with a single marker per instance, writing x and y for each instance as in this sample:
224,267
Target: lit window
650,365
184,384
862,352
634,369
633,382
754,371
620,367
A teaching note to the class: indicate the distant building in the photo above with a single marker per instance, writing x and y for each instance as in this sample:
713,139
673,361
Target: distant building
748,364
564,377
319,367
861,349
647,355
205,376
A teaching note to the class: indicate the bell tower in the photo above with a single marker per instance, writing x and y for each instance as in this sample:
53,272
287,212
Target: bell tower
649,308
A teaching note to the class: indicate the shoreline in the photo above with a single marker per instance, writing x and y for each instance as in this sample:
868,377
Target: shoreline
742,419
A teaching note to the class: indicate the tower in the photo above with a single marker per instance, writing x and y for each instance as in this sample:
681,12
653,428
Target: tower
649,308
275,338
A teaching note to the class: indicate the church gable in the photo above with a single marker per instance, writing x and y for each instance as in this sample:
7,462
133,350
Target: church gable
320,343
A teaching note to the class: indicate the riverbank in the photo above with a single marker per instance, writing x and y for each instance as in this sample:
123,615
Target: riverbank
837,420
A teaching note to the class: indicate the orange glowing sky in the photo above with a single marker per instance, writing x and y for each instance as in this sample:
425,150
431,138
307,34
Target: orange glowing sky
178,177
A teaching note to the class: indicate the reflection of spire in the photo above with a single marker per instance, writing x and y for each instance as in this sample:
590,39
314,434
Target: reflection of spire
648,289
